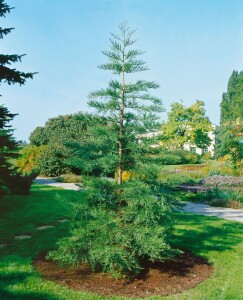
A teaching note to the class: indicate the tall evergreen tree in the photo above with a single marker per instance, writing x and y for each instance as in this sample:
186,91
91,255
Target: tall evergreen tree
129,106
8,75
231,118
232,101
122,225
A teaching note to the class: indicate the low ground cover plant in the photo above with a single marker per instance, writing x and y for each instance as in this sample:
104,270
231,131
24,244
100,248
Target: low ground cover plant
177,157
223,181
69,178
221,198
212,173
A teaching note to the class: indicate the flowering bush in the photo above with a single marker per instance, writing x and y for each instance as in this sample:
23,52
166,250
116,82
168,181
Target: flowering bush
219,180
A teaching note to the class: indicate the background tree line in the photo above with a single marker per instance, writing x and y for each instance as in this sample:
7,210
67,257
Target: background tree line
230,136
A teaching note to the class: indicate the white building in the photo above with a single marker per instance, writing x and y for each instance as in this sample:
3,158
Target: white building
188,146
210,148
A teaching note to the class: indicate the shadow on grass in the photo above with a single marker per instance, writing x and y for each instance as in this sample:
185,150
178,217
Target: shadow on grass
6,294
15,283
201,234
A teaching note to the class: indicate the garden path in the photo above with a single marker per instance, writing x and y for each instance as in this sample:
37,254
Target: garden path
220,212
53,182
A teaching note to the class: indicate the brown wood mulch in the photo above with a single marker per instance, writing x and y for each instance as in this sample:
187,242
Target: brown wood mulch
161,278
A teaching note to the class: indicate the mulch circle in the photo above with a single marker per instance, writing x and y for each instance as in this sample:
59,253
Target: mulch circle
161,278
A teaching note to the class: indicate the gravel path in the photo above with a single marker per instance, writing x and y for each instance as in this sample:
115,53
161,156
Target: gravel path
220,212
52,182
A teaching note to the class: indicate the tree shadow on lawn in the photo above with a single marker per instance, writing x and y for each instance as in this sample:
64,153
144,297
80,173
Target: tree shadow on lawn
202,235
6,292
14,286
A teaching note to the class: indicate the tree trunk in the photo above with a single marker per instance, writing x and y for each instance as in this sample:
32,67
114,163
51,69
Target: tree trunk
120,143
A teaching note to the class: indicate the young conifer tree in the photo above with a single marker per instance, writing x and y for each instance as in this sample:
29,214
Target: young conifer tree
121,226
128,105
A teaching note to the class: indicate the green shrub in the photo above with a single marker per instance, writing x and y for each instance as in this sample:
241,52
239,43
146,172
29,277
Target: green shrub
69,178
27,161
221,198
51,160
177,179
65,140
189,157
218,202
21,184
170,159
177,157
118,229
206,156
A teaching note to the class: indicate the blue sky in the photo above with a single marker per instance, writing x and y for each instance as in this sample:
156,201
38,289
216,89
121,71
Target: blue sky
191,46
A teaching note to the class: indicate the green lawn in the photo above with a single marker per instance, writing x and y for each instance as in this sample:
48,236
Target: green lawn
220,241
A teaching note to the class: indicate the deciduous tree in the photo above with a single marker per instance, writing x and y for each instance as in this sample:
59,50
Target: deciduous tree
186,125
70,145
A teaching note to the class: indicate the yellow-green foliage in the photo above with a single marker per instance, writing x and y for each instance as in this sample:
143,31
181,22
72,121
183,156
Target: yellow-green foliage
28,160
227,168
181,174
126,175
70,178
206,156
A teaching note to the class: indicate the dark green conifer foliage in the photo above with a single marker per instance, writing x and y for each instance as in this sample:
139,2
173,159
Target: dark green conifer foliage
8,147
8,75
122,225
230,140
232,101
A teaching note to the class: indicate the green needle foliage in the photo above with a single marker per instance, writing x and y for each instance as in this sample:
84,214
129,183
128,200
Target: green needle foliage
118,229
232,101
128,106
8,148
9,75
122,225
230,135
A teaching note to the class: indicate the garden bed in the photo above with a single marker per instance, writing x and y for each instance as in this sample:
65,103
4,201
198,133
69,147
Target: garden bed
159,278
223,196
